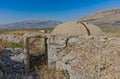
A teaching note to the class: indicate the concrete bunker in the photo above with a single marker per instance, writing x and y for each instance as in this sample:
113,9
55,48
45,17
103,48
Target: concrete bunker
69,33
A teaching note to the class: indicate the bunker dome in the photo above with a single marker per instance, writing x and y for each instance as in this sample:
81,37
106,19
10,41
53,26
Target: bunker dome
67,34
78,28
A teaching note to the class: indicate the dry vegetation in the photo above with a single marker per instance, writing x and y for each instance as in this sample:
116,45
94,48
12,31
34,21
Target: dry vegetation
5,43
46,73
113,33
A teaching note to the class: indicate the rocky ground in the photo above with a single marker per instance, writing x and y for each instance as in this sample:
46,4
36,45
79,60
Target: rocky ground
17,36
12,65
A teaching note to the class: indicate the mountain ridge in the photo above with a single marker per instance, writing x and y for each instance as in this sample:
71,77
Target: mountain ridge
107,19
31,24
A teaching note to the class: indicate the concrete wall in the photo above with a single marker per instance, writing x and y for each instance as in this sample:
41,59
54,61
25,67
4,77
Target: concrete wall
56,44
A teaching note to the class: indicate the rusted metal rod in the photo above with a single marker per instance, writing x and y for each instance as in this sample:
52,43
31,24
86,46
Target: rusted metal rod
87,29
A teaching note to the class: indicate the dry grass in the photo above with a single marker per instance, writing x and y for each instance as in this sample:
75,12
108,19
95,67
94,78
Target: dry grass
17,33
46,73
113,33
1,48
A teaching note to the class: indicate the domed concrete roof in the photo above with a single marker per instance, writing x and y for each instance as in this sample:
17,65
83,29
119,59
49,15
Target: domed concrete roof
69,29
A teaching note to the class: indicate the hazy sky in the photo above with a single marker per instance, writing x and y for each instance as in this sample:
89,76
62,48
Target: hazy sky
61,10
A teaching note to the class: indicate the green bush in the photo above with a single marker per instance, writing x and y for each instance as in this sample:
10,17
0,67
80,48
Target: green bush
16,45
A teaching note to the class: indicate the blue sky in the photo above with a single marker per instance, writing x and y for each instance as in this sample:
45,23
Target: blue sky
61,10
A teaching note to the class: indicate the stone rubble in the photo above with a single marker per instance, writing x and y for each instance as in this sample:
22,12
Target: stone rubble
12,65
16,38
10,38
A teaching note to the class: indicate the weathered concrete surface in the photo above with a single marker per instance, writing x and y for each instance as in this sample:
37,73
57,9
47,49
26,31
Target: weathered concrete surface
70,29
55,45
92,59
58,43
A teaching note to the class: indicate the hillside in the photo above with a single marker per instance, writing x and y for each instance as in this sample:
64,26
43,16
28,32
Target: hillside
108,19
31,24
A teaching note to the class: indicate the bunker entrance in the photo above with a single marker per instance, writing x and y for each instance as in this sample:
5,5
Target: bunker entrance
36,46
36,51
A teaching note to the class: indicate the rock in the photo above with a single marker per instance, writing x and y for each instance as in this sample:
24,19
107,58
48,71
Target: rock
10,38
1,75
72,41
11,64
42,31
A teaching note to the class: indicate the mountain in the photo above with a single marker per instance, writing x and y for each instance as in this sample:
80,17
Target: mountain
108,19
31,24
